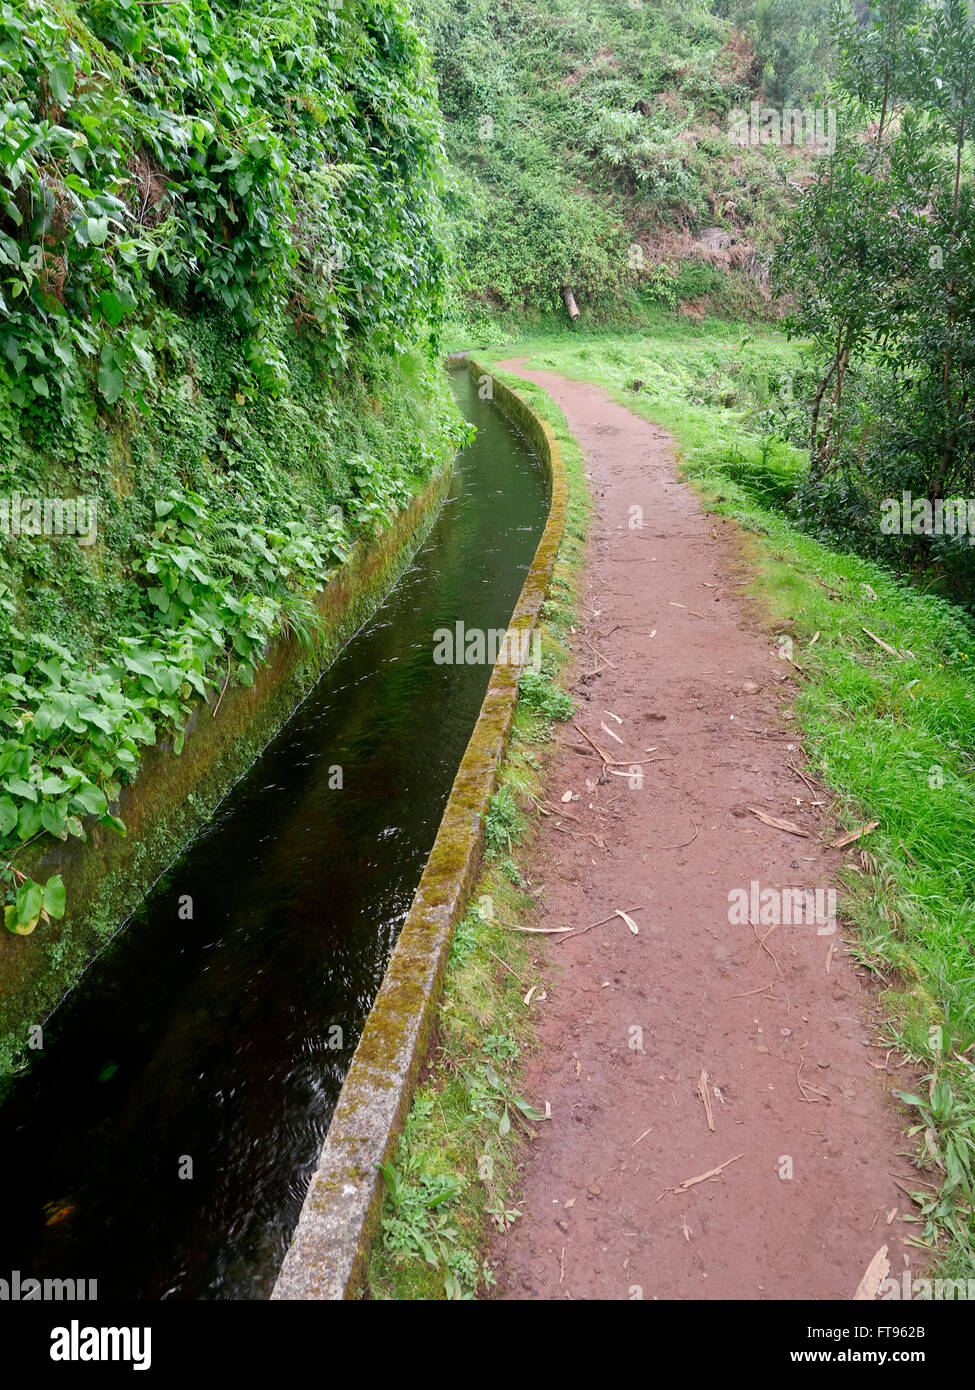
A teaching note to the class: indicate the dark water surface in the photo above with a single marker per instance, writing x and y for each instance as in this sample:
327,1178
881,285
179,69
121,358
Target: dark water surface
209,1040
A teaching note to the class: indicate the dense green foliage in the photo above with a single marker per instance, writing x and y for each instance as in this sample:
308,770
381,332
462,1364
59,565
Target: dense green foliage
220,233
588,145
792,42
224,260
881,260
278,159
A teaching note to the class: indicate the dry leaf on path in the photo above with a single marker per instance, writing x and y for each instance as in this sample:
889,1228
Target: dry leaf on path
702,1090
778,824
842,841
874,1275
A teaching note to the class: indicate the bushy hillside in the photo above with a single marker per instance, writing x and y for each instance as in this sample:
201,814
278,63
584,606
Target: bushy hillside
590,149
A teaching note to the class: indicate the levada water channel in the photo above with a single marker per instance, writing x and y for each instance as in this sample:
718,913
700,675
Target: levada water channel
215,1039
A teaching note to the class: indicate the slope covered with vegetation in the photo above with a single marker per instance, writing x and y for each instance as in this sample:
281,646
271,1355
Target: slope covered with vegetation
221,266
590,149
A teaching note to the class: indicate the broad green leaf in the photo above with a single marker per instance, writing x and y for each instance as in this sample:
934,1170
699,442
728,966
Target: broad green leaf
111,381
53,821
29,822
19,787
30,900
60,79
97,229
54,897
92,798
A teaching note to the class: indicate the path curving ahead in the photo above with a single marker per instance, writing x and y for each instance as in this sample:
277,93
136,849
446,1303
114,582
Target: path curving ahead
777,1016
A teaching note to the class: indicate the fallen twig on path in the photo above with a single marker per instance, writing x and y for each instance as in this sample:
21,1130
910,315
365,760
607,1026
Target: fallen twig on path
685,843
607,760
802,776
702,1177
804,1086
577,931
748,992
761,944
547,931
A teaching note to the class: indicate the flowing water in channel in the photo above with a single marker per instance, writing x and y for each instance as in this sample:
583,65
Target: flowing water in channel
215,1040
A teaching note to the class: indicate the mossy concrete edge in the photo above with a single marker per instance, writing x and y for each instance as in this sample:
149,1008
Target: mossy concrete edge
108,875
329,1251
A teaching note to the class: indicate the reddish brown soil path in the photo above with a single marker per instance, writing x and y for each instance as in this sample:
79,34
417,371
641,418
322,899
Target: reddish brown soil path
794,1082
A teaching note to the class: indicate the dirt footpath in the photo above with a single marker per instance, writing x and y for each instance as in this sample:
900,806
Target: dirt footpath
796,1114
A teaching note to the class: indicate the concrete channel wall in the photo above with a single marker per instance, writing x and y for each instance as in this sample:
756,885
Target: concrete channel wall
329,1252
